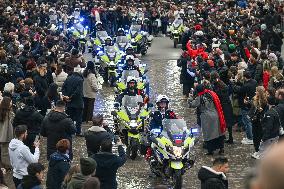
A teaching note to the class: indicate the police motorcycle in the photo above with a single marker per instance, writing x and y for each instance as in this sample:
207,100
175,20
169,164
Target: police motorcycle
177,31
131,117
138,39
121,83
80,35
108,60
97,41
122,42
171,150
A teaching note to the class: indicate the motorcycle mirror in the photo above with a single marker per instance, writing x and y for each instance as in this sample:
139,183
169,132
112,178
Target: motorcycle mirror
114,113
150,105
116,104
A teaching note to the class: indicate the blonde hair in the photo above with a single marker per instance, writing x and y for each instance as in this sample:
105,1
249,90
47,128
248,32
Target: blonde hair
9,87
274,71
260,99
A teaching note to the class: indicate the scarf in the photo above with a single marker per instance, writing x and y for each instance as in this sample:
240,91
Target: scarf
218,107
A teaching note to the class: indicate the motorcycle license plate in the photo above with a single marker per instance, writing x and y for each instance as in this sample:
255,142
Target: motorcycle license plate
176,165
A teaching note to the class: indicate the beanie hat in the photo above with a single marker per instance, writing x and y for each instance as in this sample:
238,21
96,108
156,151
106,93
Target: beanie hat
88,165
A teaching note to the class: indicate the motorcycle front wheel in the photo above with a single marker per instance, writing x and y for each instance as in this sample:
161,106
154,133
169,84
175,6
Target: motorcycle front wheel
132,149
177,179
175,42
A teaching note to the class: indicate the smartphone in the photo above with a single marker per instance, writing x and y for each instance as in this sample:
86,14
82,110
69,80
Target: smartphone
37,138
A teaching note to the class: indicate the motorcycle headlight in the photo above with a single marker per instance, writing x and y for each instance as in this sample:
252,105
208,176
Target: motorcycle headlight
177,151
133,124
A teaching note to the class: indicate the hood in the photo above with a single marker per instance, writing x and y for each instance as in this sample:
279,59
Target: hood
96,129
14,144
206,172
55,116
79,177
26,111
56,157
106,159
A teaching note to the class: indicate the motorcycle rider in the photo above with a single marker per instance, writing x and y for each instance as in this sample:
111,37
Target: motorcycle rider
162,112
129,64
132,90
120,32
129,50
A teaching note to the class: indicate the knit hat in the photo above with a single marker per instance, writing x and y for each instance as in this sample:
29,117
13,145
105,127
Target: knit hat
90,65
88,165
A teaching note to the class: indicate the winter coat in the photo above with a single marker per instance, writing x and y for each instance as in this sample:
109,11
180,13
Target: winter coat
6,128
75,60
94,136
77,181
41,84
108,165
57,126
223,94
210,179
30,182
185,77
59,79
73,88
30,117
258,72
270,124
58,166
280,110
246,90
210,123
21,157
90,86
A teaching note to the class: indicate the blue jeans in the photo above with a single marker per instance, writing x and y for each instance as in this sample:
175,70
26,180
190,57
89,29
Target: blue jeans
76,116
247,123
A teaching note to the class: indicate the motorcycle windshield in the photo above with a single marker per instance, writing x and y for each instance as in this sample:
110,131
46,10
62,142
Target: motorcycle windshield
136,28
177,23
102,34
131,105
122,39
175,130
129,73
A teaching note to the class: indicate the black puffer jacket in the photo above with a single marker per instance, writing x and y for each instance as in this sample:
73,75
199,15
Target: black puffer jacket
57,126
58,166
41,84
246,90
211,179
30,117
270,124
94,136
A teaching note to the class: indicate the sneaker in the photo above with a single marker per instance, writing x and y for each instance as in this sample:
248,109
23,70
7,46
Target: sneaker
255,155
247,141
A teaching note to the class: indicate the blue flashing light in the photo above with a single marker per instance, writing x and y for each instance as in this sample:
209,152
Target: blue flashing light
60,26
72,28
194,130
87,27
81,19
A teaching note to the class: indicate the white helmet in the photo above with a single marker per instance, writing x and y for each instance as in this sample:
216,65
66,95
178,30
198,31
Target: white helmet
98,22
131,78
162,98
128,46
129,57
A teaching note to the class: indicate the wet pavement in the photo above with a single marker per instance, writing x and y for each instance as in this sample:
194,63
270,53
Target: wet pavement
164,79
